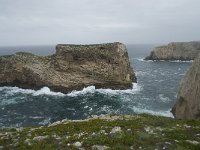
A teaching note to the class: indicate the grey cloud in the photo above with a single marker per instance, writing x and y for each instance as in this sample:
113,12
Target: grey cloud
32,22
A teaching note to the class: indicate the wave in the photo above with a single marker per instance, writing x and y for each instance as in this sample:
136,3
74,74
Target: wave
143,59
163,98
152,112
181,61
43,91
46,121
141,73
47,91
91,89
88,90
140,59
175,61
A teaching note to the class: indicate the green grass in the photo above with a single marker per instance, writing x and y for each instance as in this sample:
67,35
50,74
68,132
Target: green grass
137,132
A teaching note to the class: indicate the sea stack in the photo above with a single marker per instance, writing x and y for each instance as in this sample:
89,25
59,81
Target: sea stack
188,100
183,51
72,67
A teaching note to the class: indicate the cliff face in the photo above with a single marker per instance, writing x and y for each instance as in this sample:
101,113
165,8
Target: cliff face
176,51
72,67
188,100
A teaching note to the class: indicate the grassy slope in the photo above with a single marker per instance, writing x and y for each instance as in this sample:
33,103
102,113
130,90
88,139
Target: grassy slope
137,132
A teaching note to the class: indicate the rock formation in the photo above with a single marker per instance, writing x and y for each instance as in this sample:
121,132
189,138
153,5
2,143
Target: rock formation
72,67
176,51
188,100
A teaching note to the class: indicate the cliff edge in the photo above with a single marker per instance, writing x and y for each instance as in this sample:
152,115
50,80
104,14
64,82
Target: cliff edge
188,100
183,51
131,132
72,67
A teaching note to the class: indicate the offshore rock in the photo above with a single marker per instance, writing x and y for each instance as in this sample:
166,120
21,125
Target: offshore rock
183,51
188,100
72,67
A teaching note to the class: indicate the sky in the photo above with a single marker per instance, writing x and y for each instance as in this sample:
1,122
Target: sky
44,22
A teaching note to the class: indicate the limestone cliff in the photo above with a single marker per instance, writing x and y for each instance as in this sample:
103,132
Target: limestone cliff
176,51
188,100
72,67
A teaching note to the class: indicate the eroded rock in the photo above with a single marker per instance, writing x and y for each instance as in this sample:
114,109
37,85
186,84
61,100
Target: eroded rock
116,130
99,147
188,100
183,51
77,144
40,138
72,67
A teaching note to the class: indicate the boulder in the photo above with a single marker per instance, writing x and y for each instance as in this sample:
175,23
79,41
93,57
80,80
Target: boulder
188,100
72,67
183,51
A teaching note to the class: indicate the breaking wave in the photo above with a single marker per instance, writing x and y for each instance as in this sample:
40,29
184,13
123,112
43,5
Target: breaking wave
175,61
140,59
152,112
91,89
42,91
181,61
88,90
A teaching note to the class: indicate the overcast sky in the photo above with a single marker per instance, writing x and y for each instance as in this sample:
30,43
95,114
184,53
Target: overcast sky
33,22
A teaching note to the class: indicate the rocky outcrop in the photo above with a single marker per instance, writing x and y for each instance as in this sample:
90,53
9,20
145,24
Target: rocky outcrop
72,67
188,100
176,51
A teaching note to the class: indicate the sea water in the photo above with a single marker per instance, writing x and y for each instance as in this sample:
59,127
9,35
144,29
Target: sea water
155,93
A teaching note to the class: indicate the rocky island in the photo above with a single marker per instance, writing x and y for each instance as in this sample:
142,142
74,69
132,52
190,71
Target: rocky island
188,100
72,67
183,51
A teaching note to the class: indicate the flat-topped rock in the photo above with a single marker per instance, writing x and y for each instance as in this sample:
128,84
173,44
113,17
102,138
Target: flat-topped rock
72,67
175,51
188,100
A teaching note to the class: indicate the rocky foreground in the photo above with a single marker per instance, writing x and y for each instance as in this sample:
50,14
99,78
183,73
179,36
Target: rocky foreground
188,100
72,67
107,132
183,51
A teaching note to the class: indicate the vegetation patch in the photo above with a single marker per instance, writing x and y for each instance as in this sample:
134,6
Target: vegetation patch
107,132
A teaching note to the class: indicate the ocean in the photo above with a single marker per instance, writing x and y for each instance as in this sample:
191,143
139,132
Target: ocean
155,93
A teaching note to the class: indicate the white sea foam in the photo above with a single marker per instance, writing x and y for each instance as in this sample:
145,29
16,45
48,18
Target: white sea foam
181,61
140,73
176,61
35,117
43,91
91,89
47,91
140,59
45,121
135,89
152,112
4,102
173,61
14,90
87,90
164,98
143,59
